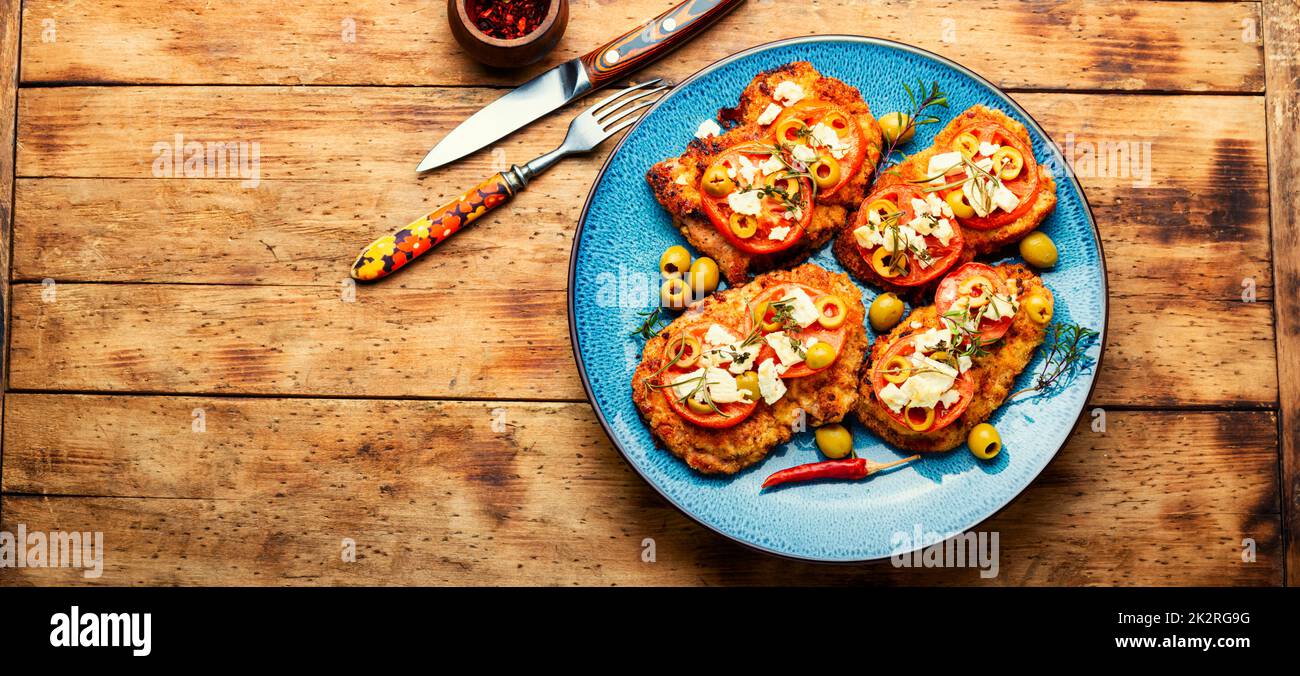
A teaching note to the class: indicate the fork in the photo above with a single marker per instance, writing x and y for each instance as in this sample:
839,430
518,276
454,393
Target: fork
391,253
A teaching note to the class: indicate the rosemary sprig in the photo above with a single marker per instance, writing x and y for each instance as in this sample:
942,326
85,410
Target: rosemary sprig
1068,354
653,324
966,342
923,98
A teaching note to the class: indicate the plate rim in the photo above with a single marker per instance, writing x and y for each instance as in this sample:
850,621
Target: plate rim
828,38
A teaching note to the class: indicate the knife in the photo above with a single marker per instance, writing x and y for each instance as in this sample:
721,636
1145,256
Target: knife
571,79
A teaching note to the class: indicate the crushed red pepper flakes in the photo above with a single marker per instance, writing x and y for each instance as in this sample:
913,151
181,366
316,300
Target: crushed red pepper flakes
509,19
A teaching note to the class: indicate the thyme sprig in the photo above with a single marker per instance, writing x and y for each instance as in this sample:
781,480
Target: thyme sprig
654,323
1066,358
923,98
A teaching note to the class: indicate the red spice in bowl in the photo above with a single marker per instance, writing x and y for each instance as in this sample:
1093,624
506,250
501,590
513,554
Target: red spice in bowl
508,19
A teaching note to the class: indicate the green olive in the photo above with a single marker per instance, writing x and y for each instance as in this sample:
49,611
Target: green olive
984,441
1038,250
674,293
697,406
886,312
894,124
703,277
1038,309
820,356
716,181
674,262
748,382
834,441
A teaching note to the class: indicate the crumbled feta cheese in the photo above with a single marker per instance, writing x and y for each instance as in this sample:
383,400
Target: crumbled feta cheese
932,338
788,93
748,170
785,351
769,114
943,163
924,388
723,388
778,233
999,307
943,231
986,164
707,128
825,135
718,336
867,237
963,363
802,308
747,202
769,381
1005,199
893,397
745,360
907,239
950,398
771,165
917,325
979,200
681,179
804,154
987,149
686,383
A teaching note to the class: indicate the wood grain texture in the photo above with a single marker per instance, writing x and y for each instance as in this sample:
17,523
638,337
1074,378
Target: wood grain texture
403,342
9,39
1155,209
268,491
1196,46
1282,45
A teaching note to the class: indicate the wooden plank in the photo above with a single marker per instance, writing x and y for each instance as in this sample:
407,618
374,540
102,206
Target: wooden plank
393,341
1156,210
9,39
1282,45
267,492
292,340
1186,46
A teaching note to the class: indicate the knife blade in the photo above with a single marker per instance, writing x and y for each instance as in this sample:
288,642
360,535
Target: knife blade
571,79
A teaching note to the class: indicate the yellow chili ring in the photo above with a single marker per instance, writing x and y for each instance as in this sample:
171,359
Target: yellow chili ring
924,424
825,172
790,129
966,144
685,349
885,268
760,314
896,369
1009,161
838,311
743,225
882,208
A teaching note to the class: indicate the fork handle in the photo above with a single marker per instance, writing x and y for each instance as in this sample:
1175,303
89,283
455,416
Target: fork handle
644,44
391,253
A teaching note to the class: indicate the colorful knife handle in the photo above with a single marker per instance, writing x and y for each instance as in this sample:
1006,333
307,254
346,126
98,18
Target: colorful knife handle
644,44
391,253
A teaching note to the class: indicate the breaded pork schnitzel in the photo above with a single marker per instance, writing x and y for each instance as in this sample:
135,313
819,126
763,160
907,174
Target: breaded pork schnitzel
719,388
986,379
994,208
774,188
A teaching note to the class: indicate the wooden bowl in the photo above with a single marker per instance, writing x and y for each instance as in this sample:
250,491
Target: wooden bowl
507,53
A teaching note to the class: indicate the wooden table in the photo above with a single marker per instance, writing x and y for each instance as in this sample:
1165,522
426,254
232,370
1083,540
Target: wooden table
189,373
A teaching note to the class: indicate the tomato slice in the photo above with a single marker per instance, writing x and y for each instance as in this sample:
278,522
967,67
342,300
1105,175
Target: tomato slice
1025,185
950,290
943,415
772,210
810,113
834,337
943,256
728,415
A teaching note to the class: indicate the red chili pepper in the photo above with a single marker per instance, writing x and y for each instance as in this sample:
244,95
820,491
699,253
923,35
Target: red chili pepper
846,468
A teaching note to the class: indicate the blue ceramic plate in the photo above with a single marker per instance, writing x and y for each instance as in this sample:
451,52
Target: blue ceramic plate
614,274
